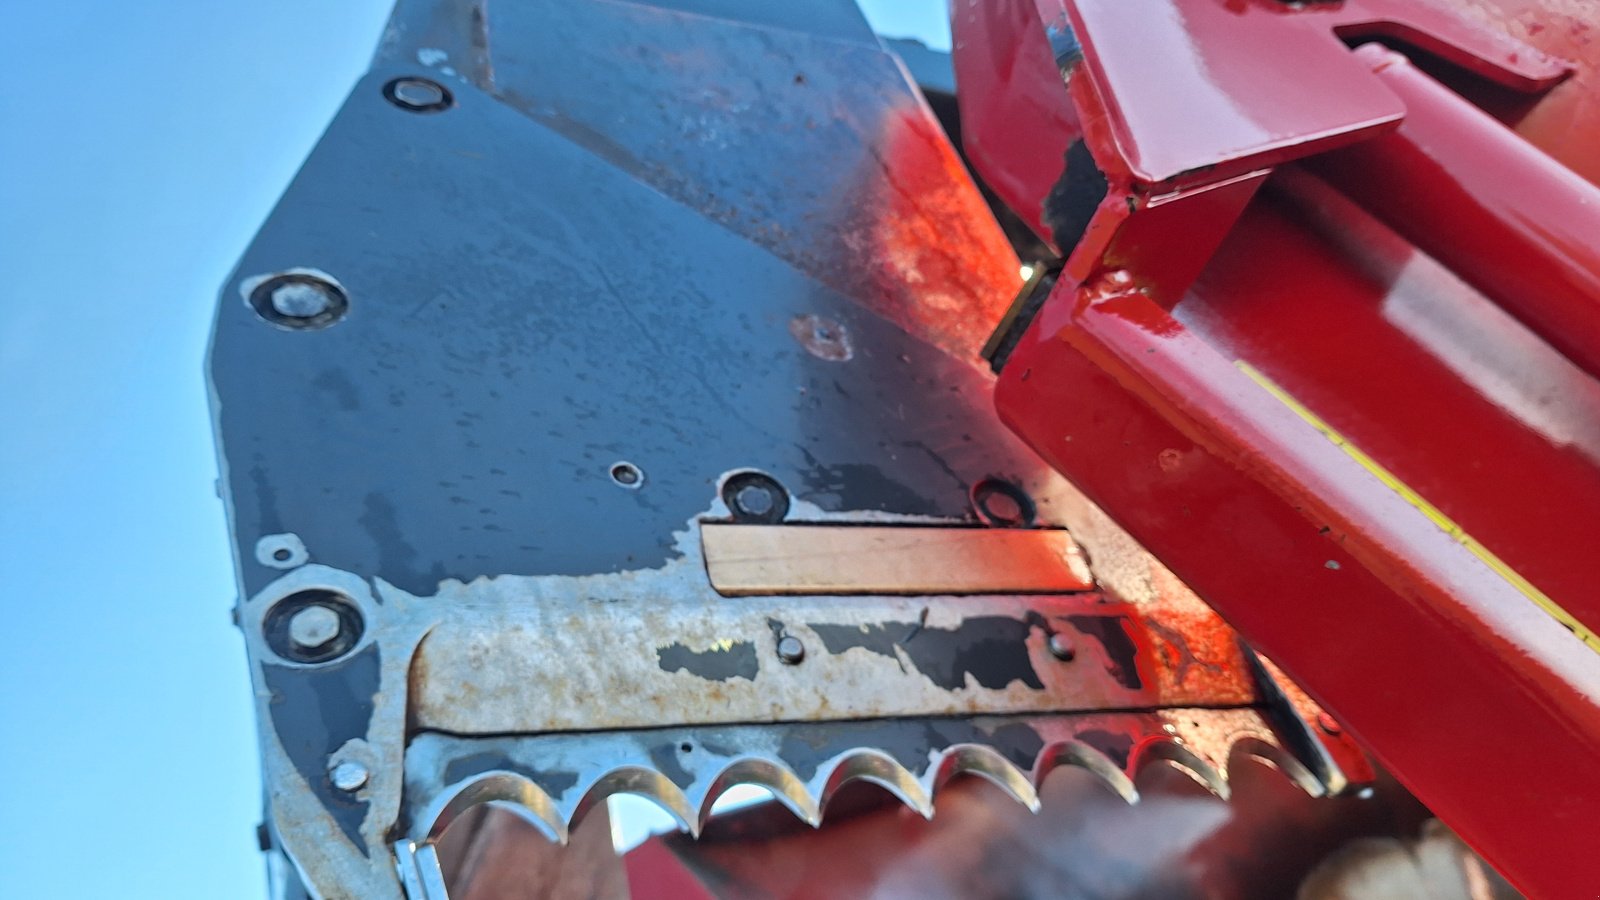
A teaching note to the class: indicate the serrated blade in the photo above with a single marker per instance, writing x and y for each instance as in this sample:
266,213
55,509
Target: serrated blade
554,780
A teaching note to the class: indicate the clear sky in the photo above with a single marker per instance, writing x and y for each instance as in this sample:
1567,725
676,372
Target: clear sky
141,145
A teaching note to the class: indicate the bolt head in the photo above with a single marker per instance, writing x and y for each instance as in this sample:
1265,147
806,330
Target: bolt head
791,650
755,500
314,627
1060,647
418,94
349,776
301,300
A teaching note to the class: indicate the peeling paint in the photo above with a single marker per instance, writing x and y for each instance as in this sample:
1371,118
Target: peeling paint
993,650
723,661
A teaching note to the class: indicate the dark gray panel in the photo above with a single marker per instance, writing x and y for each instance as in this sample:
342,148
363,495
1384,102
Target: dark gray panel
522,316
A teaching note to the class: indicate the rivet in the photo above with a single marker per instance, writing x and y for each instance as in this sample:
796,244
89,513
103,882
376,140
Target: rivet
349,776
791,650
1061,648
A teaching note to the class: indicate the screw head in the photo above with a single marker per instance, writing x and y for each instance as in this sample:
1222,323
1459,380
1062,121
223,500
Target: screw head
754,499
791,650
301,299
349,776
1329,725
417,94
1060,647
314,628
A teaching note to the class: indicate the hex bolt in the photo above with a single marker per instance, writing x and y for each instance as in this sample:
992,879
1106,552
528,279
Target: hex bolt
790,650
1060,647
349,776
301,299
313,628
417,94
755,500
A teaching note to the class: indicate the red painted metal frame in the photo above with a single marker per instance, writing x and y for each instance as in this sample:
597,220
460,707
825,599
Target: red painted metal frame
1321,494
1511,221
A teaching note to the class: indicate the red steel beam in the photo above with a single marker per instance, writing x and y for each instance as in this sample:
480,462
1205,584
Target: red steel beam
1473,194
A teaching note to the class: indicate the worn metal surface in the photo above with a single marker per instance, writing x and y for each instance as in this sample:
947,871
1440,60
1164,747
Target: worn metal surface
644,258
1380,441
776,559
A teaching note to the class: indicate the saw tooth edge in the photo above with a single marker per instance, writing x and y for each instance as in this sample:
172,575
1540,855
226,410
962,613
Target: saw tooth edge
1278,758
1159,749
877,767
644,782
809,802
1077,753
986,763
527,798
784,784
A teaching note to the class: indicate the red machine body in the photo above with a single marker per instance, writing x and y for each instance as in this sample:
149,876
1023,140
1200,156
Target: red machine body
1327,347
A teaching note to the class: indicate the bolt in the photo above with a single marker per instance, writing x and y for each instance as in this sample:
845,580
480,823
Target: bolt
301,299
349,776
418,94
790,650
755,497
755,500
314,627
1060,647
1328,725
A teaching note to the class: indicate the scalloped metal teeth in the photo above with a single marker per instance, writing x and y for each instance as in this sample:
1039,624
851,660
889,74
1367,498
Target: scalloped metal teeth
559,802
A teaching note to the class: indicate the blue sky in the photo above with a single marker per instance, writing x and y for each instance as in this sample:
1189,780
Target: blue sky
142,145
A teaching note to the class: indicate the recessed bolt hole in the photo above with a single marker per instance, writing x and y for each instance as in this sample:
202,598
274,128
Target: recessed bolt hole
299,300
418,95
686,746
282,554
1002,503
313,626
755,497
628,475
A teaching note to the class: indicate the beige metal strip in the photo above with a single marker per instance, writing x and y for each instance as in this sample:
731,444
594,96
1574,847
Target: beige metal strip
890,559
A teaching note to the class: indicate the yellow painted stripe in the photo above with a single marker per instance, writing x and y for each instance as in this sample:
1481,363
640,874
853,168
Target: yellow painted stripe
1445,524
